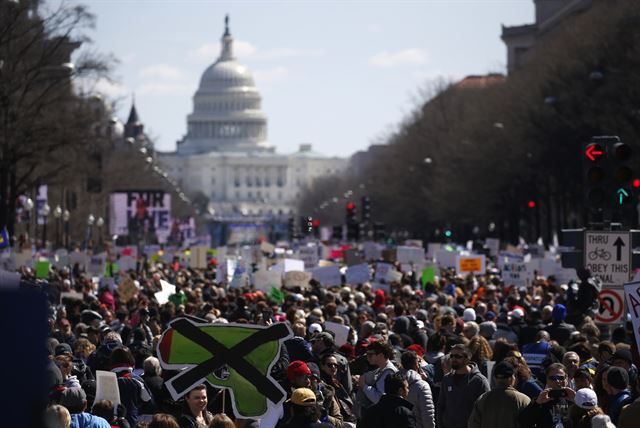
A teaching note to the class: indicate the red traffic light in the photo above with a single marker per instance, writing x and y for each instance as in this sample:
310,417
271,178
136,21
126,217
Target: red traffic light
351,206
316,222
531,204
594,152
636,183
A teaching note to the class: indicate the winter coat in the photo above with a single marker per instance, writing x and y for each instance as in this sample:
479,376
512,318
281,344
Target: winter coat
421,399
630,415
390,412
560,331
457,395
498,408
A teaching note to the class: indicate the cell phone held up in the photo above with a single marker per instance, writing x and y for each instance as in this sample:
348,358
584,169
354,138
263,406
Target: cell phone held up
557,393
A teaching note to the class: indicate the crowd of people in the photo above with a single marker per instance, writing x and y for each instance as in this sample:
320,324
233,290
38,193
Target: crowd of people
456,352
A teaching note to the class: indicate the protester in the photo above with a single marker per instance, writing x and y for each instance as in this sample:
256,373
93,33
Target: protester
501,406
306,413
551,408
221,420
459,390
392,410
161,420
195,413
419,391
371,384
57,416
75,400
584,409
616,382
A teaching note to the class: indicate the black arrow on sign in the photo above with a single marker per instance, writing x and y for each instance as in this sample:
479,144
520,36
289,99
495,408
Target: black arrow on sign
619,244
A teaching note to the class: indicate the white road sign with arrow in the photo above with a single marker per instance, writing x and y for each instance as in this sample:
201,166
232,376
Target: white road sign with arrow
608,256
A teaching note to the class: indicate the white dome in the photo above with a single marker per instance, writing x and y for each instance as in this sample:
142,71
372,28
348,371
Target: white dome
227,113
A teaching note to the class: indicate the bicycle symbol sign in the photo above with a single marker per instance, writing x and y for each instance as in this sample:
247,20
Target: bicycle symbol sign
607,254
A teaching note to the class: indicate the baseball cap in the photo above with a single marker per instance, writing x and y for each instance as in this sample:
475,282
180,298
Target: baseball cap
503,369
62,349
469,314
73,398
315,328
297,368
303,397
323,335
586,398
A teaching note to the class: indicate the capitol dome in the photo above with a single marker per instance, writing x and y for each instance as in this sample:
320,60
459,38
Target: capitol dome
227,113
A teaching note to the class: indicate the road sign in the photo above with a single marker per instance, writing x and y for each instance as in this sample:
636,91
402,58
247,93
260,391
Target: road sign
611,306
607,255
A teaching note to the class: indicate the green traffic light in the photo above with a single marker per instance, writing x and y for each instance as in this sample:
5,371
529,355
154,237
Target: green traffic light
448,233
623,195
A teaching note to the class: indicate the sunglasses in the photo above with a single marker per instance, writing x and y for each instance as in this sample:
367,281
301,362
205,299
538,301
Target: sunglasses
457,356
556,378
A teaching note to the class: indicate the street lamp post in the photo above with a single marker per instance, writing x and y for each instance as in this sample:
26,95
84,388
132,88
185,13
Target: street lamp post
90,220
65,217
100,223
57,213
46,210
28,206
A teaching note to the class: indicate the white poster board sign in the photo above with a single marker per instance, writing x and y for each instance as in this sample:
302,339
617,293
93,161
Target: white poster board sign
410,255
327,276
107,387
517,274
382,269
297,279
446,259
167,290
341,331
358,274
493,245
265,279
309,256
372,251
632,295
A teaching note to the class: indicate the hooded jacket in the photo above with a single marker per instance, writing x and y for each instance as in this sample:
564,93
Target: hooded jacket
421,399
457,396
87,420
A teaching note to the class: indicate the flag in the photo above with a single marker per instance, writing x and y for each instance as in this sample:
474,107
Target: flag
4,238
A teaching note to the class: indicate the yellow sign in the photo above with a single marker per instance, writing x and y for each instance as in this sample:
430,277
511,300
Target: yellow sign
470,264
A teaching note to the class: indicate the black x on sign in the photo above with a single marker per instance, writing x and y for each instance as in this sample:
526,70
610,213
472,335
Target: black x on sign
234,356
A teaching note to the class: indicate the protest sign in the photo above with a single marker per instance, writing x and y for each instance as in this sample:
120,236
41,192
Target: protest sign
358,274
78,257
309,256
340,330
127,290
428,275
470,264
264,279
95,264
126,263
381,271
632,294
297,279
393,276
327,276
516,273
372,251
167,290
446,259
432,249
107,387
42,269
141,211
198,257
410,255
236,357
61,258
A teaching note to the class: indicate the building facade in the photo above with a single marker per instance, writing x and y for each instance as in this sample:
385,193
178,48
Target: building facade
225,155
521,39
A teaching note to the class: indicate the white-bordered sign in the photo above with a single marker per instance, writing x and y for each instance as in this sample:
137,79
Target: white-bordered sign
607,255
611,308
632,293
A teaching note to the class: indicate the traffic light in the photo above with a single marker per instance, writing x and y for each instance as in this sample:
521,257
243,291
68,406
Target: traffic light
351,212
353,231
622,173
531,204
291,227
608,175
315,226
378,231
366,209
595,166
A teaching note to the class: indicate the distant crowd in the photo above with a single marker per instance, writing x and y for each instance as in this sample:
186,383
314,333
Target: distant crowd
456,352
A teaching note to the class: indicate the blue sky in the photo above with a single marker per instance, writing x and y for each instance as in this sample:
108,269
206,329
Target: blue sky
337,74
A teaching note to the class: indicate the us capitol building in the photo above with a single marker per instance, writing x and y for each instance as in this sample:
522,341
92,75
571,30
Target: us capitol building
225,153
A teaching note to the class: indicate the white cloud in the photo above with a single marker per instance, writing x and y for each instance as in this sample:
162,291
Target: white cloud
411,56
161,71
374,28
210,51
102,86
164,89
271,75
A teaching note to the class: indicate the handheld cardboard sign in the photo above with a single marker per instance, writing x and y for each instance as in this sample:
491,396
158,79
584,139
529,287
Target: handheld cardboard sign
238,357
